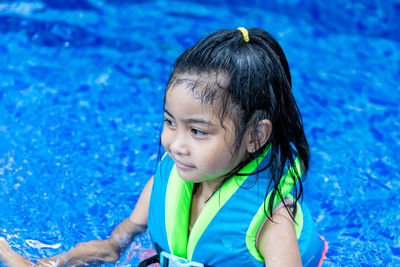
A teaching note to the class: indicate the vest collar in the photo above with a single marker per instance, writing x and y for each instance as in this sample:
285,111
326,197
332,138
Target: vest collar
177,208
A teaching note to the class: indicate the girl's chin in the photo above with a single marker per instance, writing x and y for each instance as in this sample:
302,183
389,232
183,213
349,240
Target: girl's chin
189,178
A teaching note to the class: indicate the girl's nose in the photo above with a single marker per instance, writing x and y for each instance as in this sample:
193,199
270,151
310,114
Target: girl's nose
179,147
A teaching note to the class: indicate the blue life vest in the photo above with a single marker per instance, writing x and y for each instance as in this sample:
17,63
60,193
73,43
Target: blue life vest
225,231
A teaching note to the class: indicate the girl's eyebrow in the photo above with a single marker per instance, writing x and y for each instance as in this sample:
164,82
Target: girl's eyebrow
198,121
169,114
191,120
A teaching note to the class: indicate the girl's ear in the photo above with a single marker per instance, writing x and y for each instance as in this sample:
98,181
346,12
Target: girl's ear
258,137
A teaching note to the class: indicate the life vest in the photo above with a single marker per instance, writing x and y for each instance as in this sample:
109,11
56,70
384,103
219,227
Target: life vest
225,231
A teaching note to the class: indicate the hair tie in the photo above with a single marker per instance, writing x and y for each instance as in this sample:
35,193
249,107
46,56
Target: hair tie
245,34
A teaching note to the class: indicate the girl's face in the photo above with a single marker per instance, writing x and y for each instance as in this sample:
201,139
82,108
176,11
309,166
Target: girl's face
195,139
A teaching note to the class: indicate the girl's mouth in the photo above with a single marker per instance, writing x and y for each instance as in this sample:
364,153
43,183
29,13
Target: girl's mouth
183,166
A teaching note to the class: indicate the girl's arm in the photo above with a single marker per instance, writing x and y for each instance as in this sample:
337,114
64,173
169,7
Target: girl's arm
278,242
99,251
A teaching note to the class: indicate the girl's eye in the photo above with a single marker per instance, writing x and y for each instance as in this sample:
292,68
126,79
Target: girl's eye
198,132
169,122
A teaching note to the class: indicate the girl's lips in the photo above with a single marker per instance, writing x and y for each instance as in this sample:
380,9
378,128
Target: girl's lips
182,166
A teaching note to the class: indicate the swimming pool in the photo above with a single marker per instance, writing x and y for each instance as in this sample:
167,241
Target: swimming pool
81,88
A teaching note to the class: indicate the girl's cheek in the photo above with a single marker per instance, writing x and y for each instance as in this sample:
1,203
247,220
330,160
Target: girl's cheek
164,137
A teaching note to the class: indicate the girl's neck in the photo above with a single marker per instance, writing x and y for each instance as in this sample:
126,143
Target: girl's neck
205,190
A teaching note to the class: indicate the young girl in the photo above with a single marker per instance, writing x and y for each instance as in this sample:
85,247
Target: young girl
227,191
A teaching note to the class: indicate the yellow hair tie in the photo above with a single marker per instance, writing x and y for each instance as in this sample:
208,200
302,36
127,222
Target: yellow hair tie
245,34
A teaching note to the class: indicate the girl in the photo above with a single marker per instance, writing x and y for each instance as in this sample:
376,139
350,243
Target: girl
227,191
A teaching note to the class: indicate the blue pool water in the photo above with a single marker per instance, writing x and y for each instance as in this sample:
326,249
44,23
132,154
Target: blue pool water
81,88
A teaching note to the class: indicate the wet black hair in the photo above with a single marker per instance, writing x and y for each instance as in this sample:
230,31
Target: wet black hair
251,82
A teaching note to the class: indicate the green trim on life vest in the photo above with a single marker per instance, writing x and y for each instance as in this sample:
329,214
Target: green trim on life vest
177,209
298,220
286,185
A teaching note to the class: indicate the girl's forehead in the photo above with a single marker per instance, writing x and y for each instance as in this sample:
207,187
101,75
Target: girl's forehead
206,87
184,93
210,89
193,102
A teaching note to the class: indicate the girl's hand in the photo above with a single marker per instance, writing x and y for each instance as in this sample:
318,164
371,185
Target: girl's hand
9,257
92,251
96,251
